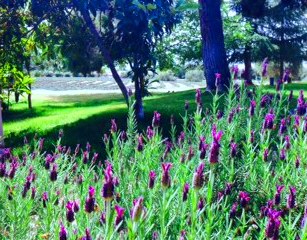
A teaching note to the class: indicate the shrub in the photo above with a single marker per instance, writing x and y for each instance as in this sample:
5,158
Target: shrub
237,171
195,75
166,76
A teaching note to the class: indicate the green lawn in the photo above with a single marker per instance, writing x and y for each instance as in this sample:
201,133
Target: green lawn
87,117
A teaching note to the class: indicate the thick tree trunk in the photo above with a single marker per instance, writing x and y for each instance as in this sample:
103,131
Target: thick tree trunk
214,54
248,65
104,51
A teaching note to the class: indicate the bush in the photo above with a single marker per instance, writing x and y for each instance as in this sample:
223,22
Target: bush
195,75
242,166
166,76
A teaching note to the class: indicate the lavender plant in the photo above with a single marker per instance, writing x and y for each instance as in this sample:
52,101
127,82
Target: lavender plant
233,172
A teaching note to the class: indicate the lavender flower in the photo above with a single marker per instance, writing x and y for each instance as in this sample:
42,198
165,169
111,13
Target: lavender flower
156,119
215,146
269,121
198,97
287,142
272,229
152,178
282,155
228,188
119,215
166,178
286,75
233,210
198,178
90,200
252,137
252,108
140,146
45,199
301,104
244,199
186,190
201,204
13,169
63,233
181,138
54,173
291,198
87,235
108,190
283,126
265,155
233,149
218,78
70,215
277,198
123,136
150,132
113,126
137,210
191,153
2,169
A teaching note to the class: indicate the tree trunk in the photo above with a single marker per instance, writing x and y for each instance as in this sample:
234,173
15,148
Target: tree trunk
248,65
17,95
30,98
104,51
1,128
281,47
214,54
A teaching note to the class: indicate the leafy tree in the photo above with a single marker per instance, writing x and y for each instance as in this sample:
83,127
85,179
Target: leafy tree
123,30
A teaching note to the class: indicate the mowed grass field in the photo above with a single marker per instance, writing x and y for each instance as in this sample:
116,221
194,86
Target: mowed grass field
85,118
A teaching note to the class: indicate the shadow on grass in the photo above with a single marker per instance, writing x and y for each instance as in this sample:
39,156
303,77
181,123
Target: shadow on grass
93,128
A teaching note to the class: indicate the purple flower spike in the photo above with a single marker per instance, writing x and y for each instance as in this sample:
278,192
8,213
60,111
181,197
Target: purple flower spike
198,178
244,199
140,146
150,132
45,199
152,178
90,201
301,104
266,155
287,142
113,126
138,209
215,146
54,173
277,197
252,108
166,178
63,233
87,235
283,126
70,215
198,97
269,121
186,190
233,210
181,138
291,198
119,214
156,119
282,155
233,149
272,229
218,78
228,188
108,189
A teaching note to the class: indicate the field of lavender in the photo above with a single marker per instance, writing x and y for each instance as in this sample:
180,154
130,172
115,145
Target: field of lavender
239,173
